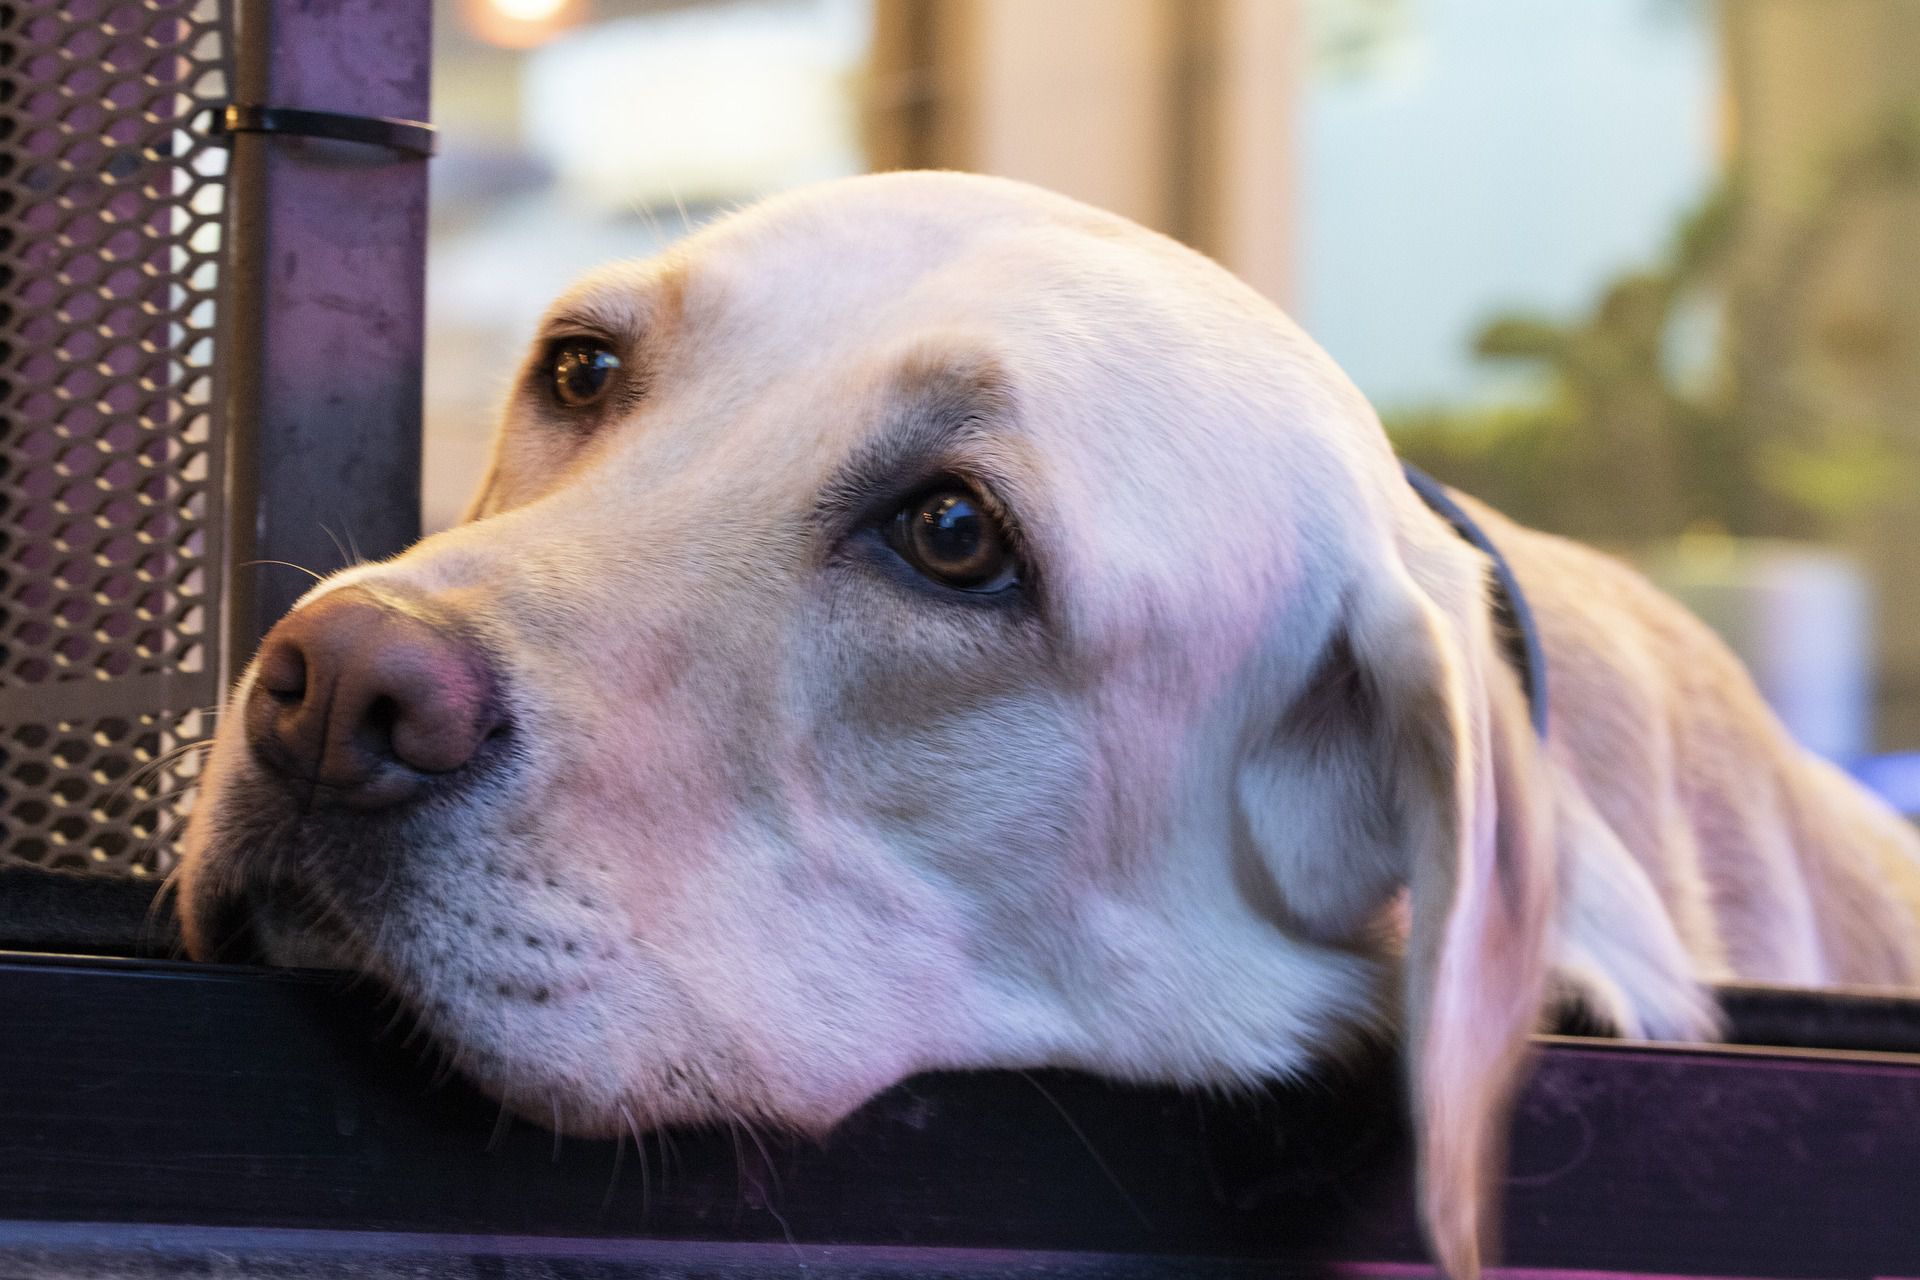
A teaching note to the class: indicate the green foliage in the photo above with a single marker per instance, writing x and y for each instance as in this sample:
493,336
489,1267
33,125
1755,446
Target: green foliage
1767,431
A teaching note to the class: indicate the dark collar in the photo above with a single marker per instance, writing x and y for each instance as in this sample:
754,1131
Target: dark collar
1510,612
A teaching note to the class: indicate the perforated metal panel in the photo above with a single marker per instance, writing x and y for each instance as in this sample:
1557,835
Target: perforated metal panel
111,220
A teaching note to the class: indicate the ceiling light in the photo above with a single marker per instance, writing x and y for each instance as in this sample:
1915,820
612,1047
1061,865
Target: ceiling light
521,24
528,10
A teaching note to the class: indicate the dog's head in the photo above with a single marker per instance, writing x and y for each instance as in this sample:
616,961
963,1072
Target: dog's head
918,623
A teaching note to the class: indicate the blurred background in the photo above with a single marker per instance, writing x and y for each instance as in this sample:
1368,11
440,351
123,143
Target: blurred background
1646,272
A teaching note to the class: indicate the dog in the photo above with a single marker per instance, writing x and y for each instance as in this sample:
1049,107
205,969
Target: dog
925,622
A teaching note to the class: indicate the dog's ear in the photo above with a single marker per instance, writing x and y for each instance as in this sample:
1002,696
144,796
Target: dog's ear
1480,869
1410,760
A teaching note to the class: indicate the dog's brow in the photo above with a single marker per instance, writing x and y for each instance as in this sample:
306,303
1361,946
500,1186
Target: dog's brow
934,416
612,318
624,308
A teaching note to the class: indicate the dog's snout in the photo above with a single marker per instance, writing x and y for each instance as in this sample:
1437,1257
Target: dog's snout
366,699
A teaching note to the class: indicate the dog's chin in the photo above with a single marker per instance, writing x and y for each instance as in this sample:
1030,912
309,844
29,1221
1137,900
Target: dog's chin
614,1099
553,1062
306,944
307,951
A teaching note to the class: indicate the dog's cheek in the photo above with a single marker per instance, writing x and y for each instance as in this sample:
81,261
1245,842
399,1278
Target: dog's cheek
979,825
980,786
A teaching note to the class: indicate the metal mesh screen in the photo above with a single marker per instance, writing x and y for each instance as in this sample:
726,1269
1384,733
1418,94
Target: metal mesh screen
111,219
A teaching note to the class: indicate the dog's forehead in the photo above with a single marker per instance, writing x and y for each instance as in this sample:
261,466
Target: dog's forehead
890,230
842,261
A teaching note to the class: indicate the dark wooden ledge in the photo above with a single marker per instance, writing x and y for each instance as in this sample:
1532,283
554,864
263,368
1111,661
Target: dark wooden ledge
155,1114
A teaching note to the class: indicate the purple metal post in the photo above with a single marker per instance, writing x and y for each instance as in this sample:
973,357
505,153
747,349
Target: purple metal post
329,271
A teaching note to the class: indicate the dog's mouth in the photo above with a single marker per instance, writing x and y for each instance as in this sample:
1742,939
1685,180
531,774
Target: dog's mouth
455,933
281,925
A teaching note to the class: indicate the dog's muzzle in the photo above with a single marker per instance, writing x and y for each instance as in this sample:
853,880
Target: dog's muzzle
371,717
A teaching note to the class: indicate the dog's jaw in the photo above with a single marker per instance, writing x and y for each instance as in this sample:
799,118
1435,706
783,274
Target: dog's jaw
548,981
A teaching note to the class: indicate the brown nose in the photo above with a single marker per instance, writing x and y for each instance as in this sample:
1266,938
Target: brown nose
366,699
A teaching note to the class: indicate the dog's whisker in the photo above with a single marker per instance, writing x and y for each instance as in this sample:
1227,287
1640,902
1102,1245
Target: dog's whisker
417,1035
116,798
640,1150
739,1166
150,921
448,1067
686,223
786,1231
669,1149
766,1156
284,564
501,1124
771,1194
613,1179
394,1021
347,558
651,216
165,758
1106,1170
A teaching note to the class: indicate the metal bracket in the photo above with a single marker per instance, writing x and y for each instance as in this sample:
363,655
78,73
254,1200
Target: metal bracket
409,137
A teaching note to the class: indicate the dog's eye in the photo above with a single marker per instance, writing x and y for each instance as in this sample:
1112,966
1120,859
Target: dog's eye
948,534
582,370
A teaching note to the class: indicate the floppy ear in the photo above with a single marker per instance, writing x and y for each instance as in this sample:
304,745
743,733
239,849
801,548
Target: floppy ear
1410,760
1481,875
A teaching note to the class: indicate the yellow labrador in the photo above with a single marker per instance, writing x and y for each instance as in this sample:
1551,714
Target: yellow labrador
923,622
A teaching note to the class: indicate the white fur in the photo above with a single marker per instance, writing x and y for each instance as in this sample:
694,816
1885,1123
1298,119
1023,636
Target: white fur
788,831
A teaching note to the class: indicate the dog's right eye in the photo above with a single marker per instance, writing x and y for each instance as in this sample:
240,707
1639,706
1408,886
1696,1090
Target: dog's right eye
581,370
953,536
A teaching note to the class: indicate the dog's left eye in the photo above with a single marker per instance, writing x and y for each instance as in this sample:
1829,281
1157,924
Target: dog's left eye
581,370
949,534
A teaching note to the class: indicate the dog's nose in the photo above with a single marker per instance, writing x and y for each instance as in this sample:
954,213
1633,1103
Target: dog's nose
365,698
